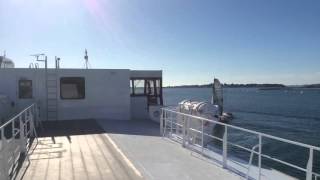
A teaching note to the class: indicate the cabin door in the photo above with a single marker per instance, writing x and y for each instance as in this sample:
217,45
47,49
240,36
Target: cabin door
145,93
25,92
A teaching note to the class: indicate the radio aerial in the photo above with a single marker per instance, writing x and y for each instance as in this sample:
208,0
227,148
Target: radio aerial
86,59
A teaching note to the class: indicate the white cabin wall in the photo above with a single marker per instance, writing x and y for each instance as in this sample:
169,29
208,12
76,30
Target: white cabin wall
107,95
38,89
8,84
9,79
139,108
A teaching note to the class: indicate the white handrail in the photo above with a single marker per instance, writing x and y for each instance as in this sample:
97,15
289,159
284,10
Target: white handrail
250,160
246,130
16,141
16,116
165,117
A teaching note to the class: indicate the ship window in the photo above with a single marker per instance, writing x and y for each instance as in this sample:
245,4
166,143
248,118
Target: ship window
158,86
72,88
25,89
131,87
138,86
149,87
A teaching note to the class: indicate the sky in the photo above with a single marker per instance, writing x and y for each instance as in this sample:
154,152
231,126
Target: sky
192,41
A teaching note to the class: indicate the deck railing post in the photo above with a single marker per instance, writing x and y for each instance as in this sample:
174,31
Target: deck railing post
260,152
4,169
184,131
31,120
34,116
22,131
188,121
310,165
37,114
225,147
3,158
171,126
13,130
3,174
161,123
202,137
165,123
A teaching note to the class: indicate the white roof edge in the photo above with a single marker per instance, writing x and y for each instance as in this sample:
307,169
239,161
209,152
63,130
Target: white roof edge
145,73
76,69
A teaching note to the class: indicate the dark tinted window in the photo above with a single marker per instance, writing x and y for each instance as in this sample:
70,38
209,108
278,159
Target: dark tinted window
25,89
72,88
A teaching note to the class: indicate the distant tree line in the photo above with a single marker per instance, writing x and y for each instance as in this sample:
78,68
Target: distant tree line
232,86
312,86
253,85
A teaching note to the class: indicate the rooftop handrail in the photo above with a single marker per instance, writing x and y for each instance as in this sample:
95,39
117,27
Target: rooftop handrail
166,112
31,65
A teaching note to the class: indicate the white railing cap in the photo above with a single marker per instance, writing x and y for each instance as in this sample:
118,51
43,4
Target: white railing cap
247,130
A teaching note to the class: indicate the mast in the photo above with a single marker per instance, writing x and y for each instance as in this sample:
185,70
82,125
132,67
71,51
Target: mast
86,58
217,95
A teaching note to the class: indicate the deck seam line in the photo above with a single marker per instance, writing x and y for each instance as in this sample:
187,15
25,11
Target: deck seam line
106,159
129,163
82,159
94,159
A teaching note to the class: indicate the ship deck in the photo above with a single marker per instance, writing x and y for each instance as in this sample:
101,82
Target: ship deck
75,150
104,149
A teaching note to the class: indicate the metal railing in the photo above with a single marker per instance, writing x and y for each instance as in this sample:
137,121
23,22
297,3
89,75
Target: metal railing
177,123
15,140
34,65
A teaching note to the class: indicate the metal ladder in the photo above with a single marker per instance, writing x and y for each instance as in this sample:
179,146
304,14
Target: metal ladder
51,85
52,95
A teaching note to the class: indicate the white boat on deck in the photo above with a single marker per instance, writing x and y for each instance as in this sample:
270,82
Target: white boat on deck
98,124
212,111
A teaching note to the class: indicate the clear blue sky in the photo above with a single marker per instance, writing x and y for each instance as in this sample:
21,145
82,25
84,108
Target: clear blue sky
240,41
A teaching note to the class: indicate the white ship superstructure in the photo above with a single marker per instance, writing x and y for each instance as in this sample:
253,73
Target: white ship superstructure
104,124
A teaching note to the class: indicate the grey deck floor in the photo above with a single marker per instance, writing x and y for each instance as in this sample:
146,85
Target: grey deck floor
85,150
159,158
76,156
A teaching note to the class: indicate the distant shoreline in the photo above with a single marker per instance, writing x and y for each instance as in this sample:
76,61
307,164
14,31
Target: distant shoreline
260,86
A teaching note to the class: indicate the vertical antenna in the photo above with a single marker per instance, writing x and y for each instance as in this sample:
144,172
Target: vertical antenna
86,58
57,61
2,58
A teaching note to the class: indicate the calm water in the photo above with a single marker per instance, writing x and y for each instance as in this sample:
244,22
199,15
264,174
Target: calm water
291,114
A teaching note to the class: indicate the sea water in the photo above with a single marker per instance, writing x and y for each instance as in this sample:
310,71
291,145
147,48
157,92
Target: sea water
292,114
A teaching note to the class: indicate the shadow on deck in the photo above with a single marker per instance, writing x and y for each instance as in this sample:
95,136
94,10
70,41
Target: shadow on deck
91,126
132,127
70,127
77,149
